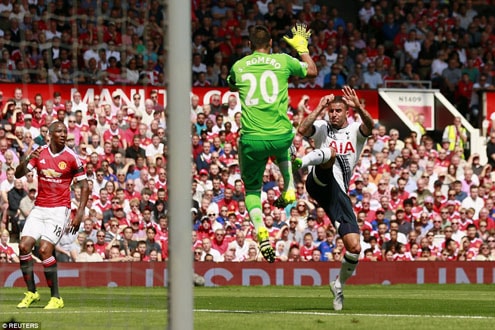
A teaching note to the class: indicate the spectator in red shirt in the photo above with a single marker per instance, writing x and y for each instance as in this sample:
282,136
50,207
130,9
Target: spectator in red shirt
228,200
113,71
269,224
101,245
104,202
204,229
134,213
463,94
197,147
400,38
219,241
57,103
130,192
401,255
112,34
230,136
365,206
8,251
114,130
141,248
474,242
306,250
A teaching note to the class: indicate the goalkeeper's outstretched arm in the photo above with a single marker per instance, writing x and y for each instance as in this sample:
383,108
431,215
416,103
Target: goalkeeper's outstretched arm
312,70
298,38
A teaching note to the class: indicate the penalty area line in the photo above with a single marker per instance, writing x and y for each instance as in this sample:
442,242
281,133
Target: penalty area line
345,314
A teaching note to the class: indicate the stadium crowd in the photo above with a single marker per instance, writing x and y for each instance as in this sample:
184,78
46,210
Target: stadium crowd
415,199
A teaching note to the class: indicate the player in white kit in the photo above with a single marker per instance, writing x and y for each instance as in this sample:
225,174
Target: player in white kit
338,146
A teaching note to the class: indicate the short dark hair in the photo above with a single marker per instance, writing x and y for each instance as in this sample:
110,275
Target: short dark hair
260,37
53,125
146,191
471,226
340,99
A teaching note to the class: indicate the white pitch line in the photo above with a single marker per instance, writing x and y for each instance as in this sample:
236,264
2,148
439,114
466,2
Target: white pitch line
346,314
226,311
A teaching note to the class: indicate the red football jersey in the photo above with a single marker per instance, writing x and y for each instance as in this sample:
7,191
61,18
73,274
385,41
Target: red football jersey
7,250
55,175
306,252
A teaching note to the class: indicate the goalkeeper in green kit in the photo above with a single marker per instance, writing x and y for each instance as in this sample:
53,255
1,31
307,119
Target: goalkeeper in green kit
262,81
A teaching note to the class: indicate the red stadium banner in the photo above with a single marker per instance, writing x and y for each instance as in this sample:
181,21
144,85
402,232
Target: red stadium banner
370,97
225,274
490,103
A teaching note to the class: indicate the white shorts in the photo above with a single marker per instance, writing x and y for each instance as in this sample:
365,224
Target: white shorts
47,223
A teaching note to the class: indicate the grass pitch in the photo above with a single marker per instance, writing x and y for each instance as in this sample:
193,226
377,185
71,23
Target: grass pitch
366,307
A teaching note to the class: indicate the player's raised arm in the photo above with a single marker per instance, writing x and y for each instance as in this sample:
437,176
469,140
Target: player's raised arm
21,169
298,38
305,128
312,70
352,101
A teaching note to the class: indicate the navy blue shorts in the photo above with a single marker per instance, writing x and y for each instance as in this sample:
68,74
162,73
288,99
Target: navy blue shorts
333,200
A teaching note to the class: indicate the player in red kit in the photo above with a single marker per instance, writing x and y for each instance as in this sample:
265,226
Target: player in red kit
57,166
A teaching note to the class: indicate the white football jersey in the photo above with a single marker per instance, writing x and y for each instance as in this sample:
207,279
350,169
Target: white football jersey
349,143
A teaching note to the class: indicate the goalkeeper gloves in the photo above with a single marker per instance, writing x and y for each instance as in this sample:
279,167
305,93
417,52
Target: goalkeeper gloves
298,38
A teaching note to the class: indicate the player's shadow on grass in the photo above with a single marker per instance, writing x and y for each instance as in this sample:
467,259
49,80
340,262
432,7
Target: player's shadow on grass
323,307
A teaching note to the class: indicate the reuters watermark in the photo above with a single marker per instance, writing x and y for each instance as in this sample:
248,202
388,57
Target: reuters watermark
20,325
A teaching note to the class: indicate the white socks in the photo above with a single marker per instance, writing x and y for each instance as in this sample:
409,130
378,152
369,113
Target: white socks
349,263
317,157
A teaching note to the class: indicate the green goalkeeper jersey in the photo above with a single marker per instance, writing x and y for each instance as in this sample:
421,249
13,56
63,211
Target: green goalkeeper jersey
262,82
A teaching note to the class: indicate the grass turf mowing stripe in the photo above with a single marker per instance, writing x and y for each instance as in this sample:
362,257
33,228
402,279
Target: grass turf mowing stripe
34,311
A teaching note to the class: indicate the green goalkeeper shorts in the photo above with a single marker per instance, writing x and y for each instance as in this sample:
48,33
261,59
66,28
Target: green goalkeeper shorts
253,156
